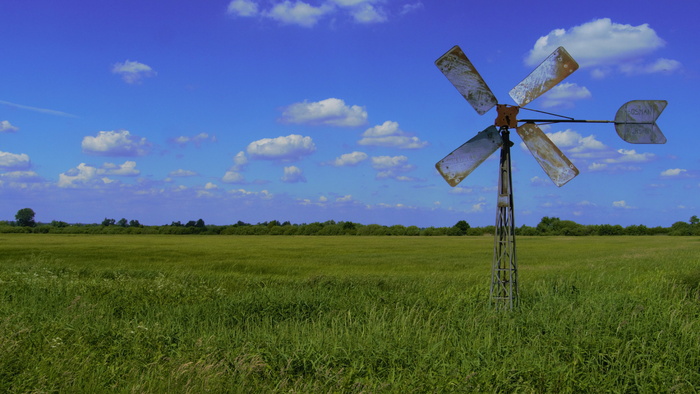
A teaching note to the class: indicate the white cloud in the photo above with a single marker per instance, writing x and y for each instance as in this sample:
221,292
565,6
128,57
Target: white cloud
298,13
303,14
13,161
37,109
392,167
115,143
659,66
349,159
345,198
289,148
409,8
630,155
674,172
564,94
21,176
328,112
478,207
234,175
622,204
461,190
126,169
293,174
367,13
243,8
388,134
133,72
7,127
211,186
180,173
197,139
90,175
601,44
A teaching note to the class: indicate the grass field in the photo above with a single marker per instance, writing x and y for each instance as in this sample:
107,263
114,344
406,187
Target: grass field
346,314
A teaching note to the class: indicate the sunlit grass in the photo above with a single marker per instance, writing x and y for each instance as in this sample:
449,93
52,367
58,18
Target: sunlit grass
348,314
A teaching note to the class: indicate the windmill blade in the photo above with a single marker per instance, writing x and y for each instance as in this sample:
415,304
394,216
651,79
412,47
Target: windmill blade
462,74
550,72
635,121
463,160
551,159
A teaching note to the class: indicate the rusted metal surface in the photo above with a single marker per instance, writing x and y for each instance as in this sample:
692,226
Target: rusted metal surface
559,168
550,72
463,160
462,74
635,122
507,116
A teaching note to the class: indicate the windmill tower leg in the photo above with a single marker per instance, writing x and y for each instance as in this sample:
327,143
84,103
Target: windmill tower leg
504,271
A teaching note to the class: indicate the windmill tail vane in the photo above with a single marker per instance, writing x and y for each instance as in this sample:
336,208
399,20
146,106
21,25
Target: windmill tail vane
635,122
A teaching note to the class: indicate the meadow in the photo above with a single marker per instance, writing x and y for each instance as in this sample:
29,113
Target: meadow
159,313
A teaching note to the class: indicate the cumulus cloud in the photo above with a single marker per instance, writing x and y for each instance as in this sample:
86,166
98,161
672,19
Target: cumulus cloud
115,143
289,148
564,94
622,204
234,175
85,174
243,8
390,135
21,176
328,112
133,72
180,173
392,167
297,13
601,44
349,159
293,174
7,127
196,140
630,155
303,14
13,161
674,172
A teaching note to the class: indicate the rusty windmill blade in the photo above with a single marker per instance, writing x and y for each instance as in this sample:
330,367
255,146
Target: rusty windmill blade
463,160
550,72
557,166
463,76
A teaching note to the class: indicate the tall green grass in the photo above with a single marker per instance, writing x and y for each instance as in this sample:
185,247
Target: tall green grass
346,314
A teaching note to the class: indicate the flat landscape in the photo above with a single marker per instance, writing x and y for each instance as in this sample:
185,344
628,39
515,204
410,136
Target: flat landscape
159,313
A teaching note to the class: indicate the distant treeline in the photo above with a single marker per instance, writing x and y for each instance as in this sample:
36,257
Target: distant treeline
547,226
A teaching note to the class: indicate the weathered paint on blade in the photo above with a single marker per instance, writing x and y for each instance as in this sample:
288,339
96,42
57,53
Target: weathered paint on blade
635,122
551,159
463,160
550,72
463,76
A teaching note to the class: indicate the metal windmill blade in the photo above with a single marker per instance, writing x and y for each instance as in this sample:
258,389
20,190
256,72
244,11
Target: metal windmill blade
559,168
463,75
463,160
550,72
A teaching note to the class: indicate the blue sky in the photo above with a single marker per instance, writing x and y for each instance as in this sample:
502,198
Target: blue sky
316,110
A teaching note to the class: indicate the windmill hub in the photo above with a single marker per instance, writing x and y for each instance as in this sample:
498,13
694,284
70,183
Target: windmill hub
507,116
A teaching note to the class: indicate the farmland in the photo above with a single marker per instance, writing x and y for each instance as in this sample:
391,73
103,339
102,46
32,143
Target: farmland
96,313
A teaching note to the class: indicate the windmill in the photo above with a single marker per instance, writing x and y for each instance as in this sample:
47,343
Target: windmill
635,122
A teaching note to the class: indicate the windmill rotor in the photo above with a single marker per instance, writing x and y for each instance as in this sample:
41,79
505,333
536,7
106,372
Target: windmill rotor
635,122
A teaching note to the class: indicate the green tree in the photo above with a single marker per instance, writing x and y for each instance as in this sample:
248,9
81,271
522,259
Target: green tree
123,222
108,222
25,217
460,228
694,220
